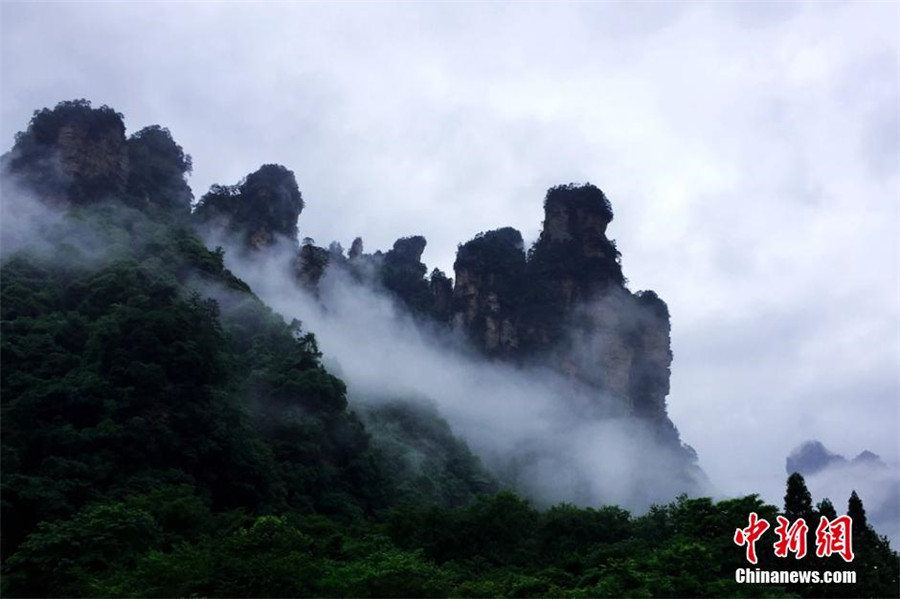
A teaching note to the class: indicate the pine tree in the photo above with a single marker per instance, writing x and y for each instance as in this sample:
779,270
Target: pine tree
826,508
797,500
856,511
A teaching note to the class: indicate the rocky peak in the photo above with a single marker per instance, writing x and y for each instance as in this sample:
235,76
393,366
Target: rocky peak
812,457
72,153
868,458
565,305
262,209
441,288
157,170
573,253
403,274
490,277
579,213
407,250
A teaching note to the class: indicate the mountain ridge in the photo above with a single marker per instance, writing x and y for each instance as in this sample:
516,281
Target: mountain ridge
167,433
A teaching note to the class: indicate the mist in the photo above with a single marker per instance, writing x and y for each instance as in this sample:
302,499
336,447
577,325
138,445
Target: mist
25,221
544,435
877,484
49,230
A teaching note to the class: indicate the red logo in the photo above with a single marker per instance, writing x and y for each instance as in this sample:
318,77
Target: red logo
835,537
748,536
832,537
791,540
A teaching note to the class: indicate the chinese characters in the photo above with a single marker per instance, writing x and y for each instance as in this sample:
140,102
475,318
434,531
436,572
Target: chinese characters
833,536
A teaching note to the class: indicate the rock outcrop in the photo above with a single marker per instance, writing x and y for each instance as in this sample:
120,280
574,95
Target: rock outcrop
75,155
567,301
565,305
95,157
262,210
490,279
72,154
157,169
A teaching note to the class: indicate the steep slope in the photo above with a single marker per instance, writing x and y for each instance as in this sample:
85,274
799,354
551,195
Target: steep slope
565,304
132,359
562,305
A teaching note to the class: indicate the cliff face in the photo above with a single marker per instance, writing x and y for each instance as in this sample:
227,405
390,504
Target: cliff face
94,155
72,154
565,305
76,154
262,210
562,305
490,277
619,343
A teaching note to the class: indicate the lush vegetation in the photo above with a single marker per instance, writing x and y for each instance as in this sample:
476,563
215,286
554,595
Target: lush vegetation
72,129
427,463
262,209
167,434
168,542
156,170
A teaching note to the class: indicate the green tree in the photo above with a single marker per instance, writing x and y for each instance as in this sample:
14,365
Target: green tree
797,500
826,508
157,170
857,512
61,556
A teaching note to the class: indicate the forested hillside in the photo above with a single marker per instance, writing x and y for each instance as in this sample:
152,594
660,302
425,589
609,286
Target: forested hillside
166,433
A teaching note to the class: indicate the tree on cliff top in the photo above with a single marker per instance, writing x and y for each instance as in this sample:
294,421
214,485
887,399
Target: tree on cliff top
586,198
273,199
500,250
39,162
267,200
157,169
46,123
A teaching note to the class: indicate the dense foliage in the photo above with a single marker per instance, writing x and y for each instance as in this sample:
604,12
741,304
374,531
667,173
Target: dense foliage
427,463
574,198
262,209
167,542
402,273
157,167
71,153
122,373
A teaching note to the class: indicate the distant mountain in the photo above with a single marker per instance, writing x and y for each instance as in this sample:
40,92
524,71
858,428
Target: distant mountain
812,457
868,458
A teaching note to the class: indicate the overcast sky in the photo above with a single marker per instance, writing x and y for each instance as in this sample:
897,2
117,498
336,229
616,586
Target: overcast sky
751,152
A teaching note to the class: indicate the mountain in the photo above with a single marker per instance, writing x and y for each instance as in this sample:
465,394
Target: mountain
563,305
812,457
135,363
166,433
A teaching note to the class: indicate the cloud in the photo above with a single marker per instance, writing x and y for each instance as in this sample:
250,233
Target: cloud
546,435
25,222
877,485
